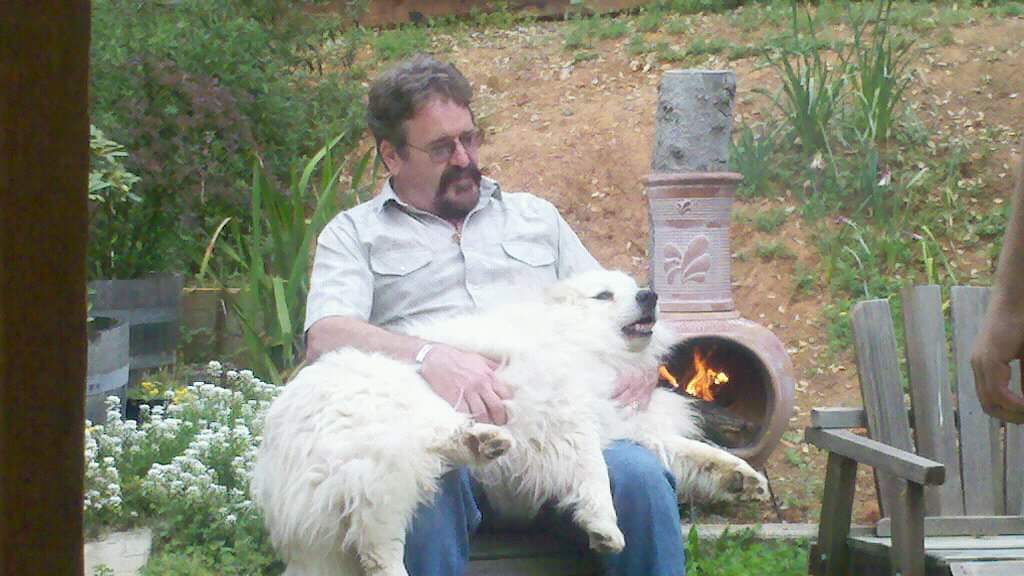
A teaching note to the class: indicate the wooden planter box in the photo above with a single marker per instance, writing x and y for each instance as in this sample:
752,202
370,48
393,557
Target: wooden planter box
150,306
211,329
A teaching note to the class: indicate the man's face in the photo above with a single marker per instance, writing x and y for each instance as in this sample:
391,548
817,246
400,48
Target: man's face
448,187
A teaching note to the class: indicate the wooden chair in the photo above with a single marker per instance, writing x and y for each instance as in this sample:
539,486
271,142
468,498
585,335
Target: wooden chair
969,524
527,554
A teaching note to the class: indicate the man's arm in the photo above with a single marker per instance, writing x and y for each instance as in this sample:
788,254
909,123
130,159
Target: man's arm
1002,336
336,332
337,311
465,380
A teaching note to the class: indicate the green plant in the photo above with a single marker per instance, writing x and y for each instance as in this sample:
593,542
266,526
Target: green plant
400,42
124,227
879,72
275,253
650,20
804,281
773,251
811,88
739,554
700,47
769,220
583,31
751,155
184,470
190,87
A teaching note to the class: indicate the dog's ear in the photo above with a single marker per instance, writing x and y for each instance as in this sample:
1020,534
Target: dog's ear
561,292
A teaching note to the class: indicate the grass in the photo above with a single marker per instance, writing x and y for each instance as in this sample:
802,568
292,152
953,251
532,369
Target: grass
750,154
770,220
740,554
400,42
582,32
774,250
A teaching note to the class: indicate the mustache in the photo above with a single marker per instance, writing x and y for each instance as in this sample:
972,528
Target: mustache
455,173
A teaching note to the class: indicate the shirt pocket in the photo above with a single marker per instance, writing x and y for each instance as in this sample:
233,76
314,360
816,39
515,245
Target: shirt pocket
529,266
400,279
529,253
399,262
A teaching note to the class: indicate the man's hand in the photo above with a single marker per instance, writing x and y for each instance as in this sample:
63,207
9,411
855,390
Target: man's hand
467,381
635,387
1001,340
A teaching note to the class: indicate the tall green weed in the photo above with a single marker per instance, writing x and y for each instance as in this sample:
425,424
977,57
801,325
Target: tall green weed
879,69
812,88
274,252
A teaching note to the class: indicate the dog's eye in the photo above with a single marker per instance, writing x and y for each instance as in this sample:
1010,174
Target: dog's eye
606,295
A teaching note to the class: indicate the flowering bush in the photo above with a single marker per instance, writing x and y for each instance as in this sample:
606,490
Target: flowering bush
184,469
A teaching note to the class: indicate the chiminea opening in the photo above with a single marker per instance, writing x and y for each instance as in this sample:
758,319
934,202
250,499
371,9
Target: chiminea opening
731,386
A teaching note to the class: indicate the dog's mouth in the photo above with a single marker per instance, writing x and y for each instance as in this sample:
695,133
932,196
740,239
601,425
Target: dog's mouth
641,328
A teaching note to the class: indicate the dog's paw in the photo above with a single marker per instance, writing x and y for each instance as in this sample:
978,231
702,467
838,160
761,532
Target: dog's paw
744,484
488,442
606,539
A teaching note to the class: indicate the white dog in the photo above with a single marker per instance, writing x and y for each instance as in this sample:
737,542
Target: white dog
357,441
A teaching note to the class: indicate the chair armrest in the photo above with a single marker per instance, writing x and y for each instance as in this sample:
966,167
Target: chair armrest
838,418
881,456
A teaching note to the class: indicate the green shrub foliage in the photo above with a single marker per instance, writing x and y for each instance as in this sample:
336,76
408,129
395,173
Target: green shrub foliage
192,88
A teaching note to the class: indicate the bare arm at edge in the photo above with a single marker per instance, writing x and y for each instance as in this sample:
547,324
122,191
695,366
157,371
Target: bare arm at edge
1001,339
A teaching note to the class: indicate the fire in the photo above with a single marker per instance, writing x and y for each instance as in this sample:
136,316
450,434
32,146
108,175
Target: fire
705,378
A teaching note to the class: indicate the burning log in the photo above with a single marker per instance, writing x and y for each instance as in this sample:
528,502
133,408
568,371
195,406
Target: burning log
725,428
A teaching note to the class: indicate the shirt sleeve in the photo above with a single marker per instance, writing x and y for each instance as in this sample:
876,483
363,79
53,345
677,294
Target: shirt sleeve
573,257
341,282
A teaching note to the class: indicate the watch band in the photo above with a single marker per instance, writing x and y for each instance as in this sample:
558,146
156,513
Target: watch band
421,355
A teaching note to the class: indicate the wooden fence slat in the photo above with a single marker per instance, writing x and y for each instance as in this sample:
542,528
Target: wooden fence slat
931,395
963,526
881,386
986,568
980,445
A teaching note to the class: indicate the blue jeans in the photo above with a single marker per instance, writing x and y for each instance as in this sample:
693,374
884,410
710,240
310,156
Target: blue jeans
643,492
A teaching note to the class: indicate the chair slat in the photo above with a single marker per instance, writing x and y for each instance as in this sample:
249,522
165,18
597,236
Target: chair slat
1015,455
980,444
881,386
932,396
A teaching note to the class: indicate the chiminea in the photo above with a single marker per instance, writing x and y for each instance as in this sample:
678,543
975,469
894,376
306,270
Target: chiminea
738,370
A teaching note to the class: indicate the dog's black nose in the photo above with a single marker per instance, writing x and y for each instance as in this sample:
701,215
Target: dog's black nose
646,299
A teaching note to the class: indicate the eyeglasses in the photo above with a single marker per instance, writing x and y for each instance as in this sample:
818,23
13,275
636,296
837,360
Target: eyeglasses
441,151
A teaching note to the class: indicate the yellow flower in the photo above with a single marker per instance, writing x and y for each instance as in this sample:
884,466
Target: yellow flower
181,395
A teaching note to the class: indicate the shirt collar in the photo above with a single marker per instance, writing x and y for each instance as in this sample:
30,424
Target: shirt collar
488,189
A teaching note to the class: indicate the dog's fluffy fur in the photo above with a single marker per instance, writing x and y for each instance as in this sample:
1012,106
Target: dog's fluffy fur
357,441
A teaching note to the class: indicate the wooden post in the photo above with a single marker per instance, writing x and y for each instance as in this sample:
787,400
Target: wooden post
836,512
693,121
44,137
907,552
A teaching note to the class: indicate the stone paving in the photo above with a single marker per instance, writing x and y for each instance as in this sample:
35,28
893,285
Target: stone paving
125,553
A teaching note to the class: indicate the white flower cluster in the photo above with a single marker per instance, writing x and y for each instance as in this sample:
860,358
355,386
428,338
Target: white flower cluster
198,451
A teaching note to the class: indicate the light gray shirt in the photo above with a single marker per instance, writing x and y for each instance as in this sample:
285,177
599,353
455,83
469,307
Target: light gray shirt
391,264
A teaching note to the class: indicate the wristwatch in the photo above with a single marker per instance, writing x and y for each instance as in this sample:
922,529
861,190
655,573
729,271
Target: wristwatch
421,355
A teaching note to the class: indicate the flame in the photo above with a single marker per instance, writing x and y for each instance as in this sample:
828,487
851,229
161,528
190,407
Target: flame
705,378
667,376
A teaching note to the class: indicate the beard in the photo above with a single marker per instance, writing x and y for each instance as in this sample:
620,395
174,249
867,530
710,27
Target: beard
458,191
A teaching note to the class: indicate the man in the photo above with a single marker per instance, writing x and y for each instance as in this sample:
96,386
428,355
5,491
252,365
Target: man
440,239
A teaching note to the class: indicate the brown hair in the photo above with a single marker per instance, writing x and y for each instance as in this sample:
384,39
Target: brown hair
399,92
